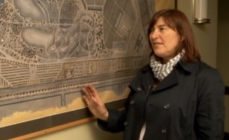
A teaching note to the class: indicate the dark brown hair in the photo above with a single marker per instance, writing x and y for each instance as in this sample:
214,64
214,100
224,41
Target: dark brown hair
177,20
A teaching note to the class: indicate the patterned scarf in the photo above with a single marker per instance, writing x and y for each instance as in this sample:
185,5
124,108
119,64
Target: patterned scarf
162,70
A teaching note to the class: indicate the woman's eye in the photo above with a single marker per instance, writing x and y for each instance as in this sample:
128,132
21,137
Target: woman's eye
161,29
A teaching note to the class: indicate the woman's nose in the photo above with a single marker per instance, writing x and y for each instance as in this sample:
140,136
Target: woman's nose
154,35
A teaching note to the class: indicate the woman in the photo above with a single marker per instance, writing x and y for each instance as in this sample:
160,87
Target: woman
175,97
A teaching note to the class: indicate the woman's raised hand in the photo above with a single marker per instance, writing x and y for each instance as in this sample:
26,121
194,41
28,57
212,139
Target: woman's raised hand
94,103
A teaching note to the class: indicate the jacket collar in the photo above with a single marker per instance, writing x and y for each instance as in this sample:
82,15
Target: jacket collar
187,67
146,78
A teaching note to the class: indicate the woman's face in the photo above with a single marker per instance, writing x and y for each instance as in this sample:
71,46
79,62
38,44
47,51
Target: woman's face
164,40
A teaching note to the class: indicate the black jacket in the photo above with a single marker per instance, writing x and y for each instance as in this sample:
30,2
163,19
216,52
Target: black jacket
187,105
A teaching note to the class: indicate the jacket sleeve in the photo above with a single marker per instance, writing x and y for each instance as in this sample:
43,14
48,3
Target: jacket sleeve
116,119
209,118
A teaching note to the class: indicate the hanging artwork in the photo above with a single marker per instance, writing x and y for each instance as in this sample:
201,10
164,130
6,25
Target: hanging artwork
50,48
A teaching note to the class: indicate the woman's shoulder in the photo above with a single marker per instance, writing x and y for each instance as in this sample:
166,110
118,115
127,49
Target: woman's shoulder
206,70
208,74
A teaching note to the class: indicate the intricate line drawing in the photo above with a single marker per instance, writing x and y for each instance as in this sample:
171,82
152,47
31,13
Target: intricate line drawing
50,48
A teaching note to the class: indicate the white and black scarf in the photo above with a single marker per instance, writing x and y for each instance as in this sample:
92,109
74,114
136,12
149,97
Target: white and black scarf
162,70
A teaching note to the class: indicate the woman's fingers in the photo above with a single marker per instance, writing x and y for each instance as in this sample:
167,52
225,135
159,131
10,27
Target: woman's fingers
86,99
92,90
90,94
87,91
94,102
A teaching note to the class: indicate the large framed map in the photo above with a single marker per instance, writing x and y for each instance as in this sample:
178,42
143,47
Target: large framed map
50,48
